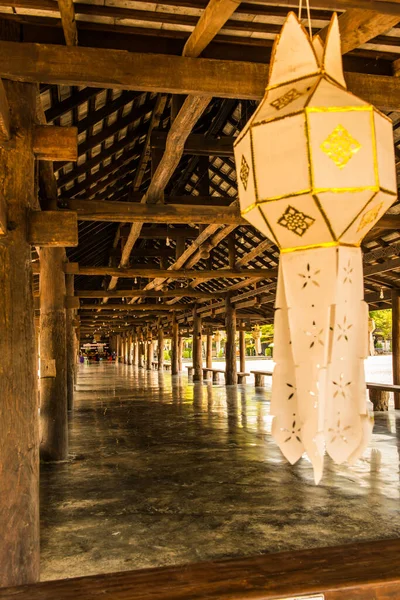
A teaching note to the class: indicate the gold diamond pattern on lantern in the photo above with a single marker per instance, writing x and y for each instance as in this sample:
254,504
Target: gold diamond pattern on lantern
244,172
340,146
295,221
370,216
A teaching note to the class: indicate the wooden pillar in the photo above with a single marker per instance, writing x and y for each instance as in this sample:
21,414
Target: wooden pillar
53,359
209,351
174,346
396,342
71,344
124,348
232,251
379,399
180,247
118,346
19,436
160,347
135,353
180,353
242,349
230,346
141,350
197,347
149,350
129,347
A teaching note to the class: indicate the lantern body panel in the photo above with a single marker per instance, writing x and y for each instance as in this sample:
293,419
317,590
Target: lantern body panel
342,149
385,153
370,214
288,99
342,208
297,221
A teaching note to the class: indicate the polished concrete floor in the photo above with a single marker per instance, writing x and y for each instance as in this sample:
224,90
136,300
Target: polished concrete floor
166,472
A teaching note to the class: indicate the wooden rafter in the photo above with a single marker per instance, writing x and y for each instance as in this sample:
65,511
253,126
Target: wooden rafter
358,26
67,12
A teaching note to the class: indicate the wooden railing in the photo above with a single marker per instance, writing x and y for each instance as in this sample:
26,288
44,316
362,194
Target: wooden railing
367,571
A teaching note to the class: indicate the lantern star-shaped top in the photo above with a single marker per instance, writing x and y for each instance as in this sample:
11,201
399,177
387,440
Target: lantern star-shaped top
314,162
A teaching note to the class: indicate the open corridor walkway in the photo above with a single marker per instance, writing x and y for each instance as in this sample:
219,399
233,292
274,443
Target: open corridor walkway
166,472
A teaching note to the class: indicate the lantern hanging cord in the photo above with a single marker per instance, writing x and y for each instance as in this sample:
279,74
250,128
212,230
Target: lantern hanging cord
308,15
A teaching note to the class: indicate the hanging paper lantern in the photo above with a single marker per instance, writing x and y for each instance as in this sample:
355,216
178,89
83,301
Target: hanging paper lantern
316,171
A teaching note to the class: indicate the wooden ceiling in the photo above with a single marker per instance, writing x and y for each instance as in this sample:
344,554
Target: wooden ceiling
142,139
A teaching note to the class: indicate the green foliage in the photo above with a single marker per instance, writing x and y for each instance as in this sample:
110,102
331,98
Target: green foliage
220,354
187,354
167,354
383,321
267,332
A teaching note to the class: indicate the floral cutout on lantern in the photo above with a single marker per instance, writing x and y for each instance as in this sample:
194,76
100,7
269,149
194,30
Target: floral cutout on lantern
320,170
286,99
340,146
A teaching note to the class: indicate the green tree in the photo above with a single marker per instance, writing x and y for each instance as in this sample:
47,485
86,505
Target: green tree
383,321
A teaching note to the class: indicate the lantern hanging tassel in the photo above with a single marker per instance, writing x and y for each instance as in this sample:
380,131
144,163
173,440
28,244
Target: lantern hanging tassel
316,171
321,325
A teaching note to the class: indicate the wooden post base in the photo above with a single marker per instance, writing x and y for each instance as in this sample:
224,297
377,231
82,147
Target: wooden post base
379,399
259,380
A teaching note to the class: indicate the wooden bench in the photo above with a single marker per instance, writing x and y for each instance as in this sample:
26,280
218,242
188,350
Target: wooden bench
190,370
362,570
167,366
259,377
154,364
215,373
379,394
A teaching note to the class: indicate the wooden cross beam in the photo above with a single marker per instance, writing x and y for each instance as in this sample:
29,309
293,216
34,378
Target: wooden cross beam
181,293
152,308
132,212
150,273
197,144
96,67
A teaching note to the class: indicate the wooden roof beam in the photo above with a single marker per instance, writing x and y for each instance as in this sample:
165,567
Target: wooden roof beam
182,293
197,144
134,212
67,12
150,273
358,26
96,67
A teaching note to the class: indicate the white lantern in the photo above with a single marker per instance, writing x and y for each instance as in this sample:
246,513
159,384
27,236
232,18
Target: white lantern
316,171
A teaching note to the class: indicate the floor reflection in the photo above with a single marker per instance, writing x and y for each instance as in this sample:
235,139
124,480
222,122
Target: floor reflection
164,471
